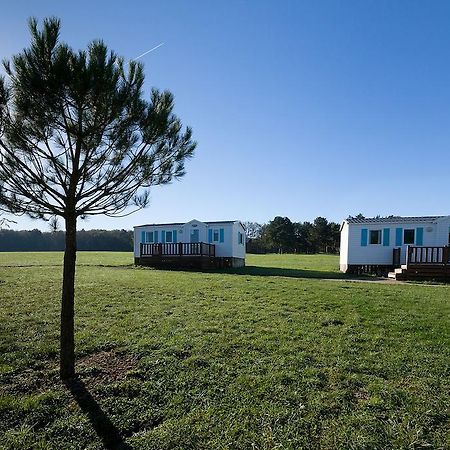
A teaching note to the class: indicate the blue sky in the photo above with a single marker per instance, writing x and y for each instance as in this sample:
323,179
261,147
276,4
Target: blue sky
299,108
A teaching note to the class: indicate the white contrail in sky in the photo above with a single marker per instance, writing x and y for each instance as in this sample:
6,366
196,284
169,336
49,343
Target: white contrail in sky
148,51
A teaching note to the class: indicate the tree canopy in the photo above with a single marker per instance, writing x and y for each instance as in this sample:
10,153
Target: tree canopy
76,135
283,235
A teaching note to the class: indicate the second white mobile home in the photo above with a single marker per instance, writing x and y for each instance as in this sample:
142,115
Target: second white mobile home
371,241
194,243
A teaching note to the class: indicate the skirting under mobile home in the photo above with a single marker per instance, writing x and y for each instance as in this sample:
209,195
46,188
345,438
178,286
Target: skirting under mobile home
194,244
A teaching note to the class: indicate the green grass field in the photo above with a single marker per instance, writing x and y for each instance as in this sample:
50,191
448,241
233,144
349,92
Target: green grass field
268,357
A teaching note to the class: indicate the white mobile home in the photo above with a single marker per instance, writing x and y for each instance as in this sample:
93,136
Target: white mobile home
195,243
371,242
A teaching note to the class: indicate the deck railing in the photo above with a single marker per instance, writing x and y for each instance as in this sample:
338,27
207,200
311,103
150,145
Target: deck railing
427,255
178,249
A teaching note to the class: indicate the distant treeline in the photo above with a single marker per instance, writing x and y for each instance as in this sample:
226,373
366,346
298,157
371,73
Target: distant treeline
38,241
281,235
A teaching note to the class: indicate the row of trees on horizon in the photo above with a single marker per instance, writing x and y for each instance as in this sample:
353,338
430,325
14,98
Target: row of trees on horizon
279,235
87,240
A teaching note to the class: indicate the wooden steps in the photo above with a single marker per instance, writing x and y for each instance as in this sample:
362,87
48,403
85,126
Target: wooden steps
422,263
430,272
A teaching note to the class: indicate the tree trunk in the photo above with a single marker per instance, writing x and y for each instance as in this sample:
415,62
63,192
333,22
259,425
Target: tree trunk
67,350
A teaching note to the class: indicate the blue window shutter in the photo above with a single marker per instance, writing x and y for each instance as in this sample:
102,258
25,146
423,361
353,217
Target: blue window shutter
143,237
156,238
419,236
386,233
221,235
163,237
174,236
398,236
210,231
364,237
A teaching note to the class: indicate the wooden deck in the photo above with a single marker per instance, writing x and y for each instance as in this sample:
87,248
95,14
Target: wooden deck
423,263
179,249
182,254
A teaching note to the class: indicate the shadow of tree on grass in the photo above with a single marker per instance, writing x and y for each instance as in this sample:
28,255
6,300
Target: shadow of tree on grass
105,429
285,272
262,271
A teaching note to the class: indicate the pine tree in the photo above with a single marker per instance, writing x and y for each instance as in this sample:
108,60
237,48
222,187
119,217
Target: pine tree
77,138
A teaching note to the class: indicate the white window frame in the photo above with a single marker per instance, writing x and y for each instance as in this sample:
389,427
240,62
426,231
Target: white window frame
214,235
169,241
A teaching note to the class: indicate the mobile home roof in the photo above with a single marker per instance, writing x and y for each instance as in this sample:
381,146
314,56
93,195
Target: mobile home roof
394,219
179,224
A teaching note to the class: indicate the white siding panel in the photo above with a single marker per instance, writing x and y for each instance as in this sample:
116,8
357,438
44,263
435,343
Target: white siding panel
442,233
343,254
224,248
137,242
238,249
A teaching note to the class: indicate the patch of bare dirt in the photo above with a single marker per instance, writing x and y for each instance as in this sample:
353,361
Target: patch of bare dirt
106,366
97,368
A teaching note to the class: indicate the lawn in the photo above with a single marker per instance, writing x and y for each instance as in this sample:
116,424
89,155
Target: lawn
268,357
